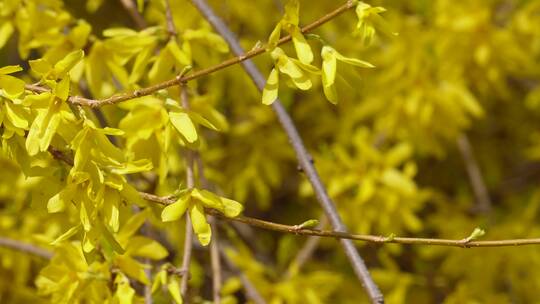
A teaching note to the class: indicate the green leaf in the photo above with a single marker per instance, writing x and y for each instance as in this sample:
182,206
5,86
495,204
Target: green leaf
184,125
270,92
200,225
476,234
175,211
308,224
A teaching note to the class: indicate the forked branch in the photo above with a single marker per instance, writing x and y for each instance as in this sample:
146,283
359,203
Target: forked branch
302,154
78,100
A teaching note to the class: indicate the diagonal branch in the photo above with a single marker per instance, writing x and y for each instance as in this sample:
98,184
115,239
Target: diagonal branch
481,193
302,154
130,7
241,57
25,247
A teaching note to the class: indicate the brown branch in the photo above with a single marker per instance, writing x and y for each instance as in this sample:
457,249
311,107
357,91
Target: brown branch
241,57
215,262
134,13
190,178
463,243
214,244
171,28
302,154
25,247
59,155
167,200
475,174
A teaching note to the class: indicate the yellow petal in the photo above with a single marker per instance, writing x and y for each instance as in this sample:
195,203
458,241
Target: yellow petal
13,86
10,69
292,9
175,211
34,135
287,66
40,66
146,248
270,92
184,125
353,61
132,268
303,82
16,115
330,93
200,225
303,50
274,37
328,66
5,32
62,67
174,290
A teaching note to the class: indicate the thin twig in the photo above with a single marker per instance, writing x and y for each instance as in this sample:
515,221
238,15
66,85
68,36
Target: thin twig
463,243
190,181
25,247
214,244
302,154
241,57
171,28
134,13
194,155
475,175
215,261
167,200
